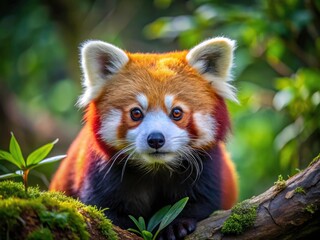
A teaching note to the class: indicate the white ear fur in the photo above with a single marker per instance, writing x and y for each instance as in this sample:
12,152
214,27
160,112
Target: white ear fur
99,62
213,60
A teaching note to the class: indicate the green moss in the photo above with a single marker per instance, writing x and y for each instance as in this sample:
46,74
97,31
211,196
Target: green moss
12,209
242,217
13,189
300,190
280,183
104,225
316,159
65,217
311,208
40,234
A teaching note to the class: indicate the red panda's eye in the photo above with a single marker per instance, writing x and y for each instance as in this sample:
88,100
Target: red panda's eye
136,114
176,113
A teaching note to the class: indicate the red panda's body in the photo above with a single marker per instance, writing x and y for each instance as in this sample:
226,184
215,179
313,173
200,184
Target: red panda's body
154,133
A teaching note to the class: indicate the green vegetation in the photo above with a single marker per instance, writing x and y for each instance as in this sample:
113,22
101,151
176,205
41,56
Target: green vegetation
280,184
311,208
35,159
40,234
316,159
162,218
300,190
47,215
242,217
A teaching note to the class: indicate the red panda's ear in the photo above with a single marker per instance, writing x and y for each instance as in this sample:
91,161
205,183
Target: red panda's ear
213,60
99,61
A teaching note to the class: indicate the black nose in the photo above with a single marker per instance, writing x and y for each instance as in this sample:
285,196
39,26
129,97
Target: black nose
156,140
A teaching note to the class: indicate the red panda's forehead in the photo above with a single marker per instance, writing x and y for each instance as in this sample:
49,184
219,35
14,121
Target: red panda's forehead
157,76
159,65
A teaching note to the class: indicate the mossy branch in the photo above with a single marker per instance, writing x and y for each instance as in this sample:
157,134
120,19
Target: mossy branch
288,212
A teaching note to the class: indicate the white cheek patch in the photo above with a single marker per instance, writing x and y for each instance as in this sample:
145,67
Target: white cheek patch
206,126
109,126
143,101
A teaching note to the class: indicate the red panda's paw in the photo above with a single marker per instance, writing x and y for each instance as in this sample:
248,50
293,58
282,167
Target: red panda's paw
178,229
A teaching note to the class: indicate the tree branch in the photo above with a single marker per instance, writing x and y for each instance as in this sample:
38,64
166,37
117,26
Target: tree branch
288,210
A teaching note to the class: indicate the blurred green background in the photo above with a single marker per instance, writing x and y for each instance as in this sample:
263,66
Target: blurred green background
277,62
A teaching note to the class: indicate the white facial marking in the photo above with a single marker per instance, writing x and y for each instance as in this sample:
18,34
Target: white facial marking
143,101
158,121
109,126
168,101
206,126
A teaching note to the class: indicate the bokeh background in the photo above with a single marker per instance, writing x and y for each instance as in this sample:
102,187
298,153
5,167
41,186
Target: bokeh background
277,61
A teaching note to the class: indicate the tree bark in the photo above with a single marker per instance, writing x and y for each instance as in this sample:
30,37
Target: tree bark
288,212
125,235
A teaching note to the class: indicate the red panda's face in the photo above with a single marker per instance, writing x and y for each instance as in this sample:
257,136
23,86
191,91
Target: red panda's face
157,108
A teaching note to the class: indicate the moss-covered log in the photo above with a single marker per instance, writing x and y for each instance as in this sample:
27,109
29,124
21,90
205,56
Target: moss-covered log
51,215
289,211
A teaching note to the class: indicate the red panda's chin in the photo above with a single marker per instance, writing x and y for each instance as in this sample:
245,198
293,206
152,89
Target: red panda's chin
158,158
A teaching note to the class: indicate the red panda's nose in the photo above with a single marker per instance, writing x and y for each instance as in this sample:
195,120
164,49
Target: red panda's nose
156,140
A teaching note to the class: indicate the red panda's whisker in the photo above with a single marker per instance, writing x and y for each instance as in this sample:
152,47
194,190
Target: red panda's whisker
119,141
125,163
201,150
195,161
185,155
117,155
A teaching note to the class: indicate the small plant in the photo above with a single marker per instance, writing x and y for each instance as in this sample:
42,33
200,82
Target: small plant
162,218
280,183
300,190
35,159
311,208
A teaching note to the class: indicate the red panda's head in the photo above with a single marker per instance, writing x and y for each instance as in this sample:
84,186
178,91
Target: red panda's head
157,108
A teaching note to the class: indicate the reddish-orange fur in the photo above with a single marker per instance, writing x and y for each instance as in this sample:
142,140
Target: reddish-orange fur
229,184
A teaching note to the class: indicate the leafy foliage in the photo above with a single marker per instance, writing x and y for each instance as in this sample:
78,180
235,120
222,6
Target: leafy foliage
35,159
162,218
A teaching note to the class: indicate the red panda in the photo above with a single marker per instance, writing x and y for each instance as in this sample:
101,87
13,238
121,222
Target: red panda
155,127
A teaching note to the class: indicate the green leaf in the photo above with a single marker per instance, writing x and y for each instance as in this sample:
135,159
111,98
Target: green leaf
173,212
142,223
9,175
135,231
40,153
8,156
137,223
16,151
47,160
147,235
157,218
